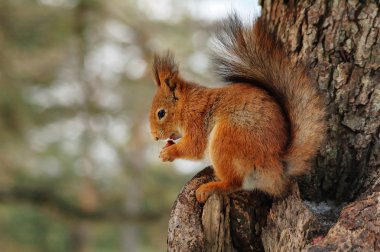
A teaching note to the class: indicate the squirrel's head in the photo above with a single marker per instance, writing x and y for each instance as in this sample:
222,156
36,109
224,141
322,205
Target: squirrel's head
165,113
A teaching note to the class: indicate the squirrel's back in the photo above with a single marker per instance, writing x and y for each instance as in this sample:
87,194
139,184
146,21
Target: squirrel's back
253,55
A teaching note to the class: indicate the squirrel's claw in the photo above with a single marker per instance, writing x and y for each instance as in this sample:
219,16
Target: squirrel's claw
202,193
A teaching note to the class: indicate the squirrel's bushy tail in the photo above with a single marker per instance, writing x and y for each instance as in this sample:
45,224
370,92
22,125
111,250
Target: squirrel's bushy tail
252,54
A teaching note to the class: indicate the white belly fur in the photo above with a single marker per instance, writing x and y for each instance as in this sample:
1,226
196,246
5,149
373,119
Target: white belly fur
207,156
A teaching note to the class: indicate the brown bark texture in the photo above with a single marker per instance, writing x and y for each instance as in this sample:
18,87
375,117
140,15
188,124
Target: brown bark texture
340,43
337,206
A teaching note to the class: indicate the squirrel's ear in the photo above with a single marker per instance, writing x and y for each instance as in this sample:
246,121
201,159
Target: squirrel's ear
171,83
155,70
164,67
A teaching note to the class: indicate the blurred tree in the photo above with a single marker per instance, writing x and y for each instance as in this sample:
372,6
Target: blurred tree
74,145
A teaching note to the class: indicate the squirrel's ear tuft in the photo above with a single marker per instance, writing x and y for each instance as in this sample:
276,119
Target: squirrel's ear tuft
164,65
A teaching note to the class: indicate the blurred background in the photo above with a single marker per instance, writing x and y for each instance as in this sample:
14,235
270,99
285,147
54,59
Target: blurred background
79,170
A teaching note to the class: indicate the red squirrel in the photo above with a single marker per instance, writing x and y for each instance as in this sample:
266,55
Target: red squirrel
258,131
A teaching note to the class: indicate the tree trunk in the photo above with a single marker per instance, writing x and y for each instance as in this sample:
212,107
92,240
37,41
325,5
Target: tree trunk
339,41
224,223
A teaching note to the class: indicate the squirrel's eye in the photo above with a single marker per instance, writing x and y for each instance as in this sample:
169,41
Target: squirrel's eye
161,114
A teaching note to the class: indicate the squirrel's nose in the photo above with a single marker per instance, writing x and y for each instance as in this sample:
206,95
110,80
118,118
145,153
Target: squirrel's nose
156,138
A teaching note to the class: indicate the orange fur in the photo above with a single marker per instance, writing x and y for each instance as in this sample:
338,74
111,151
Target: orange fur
249,128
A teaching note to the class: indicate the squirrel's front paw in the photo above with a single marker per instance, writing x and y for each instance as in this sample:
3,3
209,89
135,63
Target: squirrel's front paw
169,153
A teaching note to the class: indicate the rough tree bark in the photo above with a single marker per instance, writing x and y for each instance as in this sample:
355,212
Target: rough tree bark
339,41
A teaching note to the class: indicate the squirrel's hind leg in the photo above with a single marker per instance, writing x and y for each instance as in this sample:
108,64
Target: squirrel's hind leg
242,164
223,152
228,183
205,190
